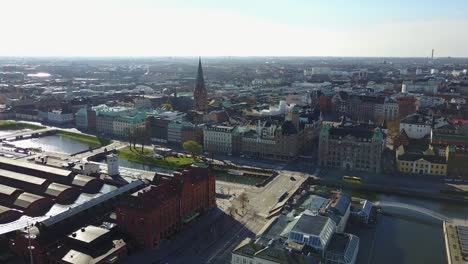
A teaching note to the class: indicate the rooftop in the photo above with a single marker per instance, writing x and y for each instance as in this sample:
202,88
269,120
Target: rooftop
77,257
24,200
429,158
32,166
310,224
22,177
7,190
88,234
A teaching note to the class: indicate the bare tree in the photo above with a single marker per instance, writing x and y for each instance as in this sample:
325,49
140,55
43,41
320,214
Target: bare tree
143,138
231,210
131,137
243,199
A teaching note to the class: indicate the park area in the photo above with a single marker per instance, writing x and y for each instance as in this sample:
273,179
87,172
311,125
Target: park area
147,156
13,125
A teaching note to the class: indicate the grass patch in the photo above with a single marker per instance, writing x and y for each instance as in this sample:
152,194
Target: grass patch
13,125
147,158
93,140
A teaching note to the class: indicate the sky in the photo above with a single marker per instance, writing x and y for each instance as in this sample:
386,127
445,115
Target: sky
377,28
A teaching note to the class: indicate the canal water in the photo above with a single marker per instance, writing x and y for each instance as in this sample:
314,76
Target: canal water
240,179
54,143
405,236
139,166
220,175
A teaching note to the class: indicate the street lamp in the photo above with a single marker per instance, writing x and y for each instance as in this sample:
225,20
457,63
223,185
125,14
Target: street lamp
30,236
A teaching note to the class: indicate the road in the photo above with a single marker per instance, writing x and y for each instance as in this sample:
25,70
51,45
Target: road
208,239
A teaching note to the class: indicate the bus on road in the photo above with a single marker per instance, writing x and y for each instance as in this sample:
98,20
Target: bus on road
352,179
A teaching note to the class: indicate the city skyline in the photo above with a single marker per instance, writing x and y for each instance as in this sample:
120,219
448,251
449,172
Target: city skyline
209,28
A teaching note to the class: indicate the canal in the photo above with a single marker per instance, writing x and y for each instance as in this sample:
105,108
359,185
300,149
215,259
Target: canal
140,166
240,179
405,236
246,179
54,143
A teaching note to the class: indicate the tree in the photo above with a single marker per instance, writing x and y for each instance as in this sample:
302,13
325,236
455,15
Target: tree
192,147
255,216
167,107
243,199
143,137
231,210
131,136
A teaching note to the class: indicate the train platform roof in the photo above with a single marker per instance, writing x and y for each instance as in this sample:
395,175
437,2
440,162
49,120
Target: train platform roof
36,167
8,190
55,189
22,177
25,200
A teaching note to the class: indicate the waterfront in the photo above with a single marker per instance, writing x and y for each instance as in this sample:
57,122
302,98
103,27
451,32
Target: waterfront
7,132
240,179
140,166
220,175
54,143
404,236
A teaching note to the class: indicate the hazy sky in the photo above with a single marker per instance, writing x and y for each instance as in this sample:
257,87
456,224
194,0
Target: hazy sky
233,27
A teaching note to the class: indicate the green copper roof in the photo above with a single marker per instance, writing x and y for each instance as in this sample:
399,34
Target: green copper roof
378,135
325,132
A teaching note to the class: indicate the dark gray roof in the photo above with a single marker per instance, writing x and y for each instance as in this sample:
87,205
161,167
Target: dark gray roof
341,204
353,131
310,224
429,158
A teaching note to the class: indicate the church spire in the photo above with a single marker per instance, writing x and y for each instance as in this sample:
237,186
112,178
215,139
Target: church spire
199,93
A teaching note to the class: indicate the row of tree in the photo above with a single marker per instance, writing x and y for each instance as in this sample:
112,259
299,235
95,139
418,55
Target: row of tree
143,137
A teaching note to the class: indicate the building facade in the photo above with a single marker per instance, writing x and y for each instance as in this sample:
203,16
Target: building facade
390,109
162,208
59,117
416,126
406,106
85,119
124,125
351,147
457,164
158,129
218,139
415,163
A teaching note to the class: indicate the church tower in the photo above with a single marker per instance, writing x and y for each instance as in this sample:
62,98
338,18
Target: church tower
199,93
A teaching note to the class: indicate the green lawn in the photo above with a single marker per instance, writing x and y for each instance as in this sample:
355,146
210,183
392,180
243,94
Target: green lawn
135,155
13,125
93,140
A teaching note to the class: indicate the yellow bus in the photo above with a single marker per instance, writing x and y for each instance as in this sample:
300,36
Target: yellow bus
352,179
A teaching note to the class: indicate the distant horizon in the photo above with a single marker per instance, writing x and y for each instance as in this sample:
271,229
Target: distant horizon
224,56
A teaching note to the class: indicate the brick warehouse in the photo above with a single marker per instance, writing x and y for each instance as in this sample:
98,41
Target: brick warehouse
161,209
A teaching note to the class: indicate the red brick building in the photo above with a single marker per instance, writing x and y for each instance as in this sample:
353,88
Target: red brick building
406,106
401,140
161,209
325,104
